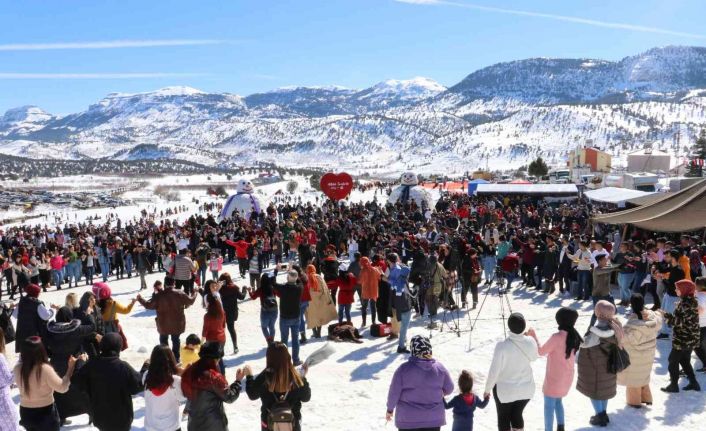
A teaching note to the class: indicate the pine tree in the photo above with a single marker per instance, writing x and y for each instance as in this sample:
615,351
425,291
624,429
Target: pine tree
698,151
538,168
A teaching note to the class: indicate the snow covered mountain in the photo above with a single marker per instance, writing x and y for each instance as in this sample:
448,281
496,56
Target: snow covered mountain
504,115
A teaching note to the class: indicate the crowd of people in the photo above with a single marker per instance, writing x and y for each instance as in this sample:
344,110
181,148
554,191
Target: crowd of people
403,262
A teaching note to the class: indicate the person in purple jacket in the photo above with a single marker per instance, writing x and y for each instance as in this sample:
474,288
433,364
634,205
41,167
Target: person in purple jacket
417,390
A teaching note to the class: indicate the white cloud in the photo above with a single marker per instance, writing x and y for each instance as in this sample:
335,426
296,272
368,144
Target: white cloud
110,44
565,18
137,75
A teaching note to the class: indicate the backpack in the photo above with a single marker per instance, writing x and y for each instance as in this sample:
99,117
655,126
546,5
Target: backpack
280,417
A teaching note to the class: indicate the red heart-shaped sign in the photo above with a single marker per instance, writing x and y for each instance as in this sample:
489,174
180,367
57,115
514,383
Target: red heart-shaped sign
336,186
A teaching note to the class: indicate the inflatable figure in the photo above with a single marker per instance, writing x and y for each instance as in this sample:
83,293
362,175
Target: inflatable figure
409,190
243,202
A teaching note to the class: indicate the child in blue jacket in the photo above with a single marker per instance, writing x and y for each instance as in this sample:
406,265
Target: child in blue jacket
465,403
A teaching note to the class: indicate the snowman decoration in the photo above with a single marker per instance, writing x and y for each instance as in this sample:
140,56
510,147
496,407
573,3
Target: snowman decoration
409,190
243,202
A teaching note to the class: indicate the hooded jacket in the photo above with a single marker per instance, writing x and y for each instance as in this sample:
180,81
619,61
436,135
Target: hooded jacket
369,279
640,342
594,380
417,393
110,383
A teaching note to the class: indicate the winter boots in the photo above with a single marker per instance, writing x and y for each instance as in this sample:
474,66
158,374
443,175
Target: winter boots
303,338
600,420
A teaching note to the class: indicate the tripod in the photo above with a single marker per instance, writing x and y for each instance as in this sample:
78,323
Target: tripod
505,306
451,317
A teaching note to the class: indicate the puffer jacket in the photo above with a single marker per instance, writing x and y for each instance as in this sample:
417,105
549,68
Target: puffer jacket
640,342
594,380
685,323
206,394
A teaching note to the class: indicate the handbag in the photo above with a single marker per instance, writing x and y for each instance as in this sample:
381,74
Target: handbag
6,324
618,360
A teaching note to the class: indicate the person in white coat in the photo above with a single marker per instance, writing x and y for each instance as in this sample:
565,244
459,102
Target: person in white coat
510,376
163,393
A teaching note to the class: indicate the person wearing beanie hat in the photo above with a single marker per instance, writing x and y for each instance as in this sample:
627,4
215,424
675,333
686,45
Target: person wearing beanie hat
422,380
110,309
640,342
31,314
685,338
510,378
110,384
594,379
560,350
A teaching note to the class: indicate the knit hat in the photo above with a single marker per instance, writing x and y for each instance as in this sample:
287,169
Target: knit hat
211,350
96,288
111,344
566,317
420,346
516,323
604,310
686,287
104,293
32,290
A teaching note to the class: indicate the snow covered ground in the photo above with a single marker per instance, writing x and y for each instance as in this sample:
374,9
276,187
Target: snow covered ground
349,390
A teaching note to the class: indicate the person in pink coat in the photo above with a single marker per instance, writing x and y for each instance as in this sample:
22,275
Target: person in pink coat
560,350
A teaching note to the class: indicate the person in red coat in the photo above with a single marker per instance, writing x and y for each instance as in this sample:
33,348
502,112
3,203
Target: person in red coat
346,294
214,324
241,252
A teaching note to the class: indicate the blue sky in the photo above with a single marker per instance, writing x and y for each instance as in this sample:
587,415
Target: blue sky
249,46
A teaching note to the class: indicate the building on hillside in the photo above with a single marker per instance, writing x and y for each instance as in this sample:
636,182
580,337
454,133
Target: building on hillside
649,160
598,160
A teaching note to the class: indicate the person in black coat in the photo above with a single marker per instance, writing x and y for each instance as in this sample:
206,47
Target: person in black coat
32,316
65,338
230,295
89,313
279,381
110,383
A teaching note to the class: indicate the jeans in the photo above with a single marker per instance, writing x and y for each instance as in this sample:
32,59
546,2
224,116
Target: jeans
669,303
302,311
285,326
584,278
105,268
77,272
600,406
143,282
510,277
344,308
553,406
625,282
57,277
489,263
202,274
164,340
268,318
405,317
214,275
90,270
128,265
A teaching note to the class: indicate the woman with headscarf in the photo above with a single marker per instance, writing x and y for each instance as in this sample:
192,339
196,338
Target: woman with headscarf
278,382
110,309
594,379
685,336
510,376
560,350
369,279
696,265
89,313
207,389
321,309
640,342
65,339
417,390
110,384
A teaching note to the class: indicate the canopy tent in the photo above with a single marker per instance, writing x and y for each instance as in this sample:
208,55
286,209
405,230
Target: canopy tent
683,211
473,185
614,195
648,199
528,189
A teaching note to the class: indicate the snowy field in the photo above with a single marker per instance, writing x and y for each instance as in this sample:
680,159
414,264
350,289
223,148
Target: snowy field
349,390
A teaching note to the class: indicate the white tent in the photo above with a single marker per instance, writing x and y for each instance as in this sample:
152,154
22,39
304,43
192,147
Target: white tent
614,195
528,189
